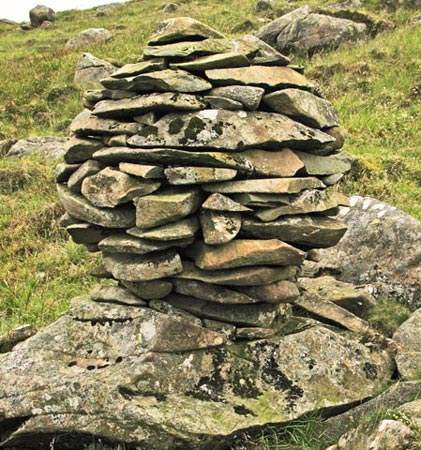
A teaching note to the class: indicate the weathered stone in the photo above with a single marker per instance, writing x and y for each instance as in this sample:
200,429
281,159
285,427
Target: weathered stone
309,201
180,29
142,170
147,119
222,103
77,206
246,252
253,315
163,80
356,299
219,202
211,292
197,175
325,165
181,229
92,96
219,227
90,70
116,294
47,147
130,70
283,291
5,145
200,48
227,329
115,141
164,102
281,163
217,61
266,55
229,131
408,338
18,334
413,410
253,333
306,230
149,290
143,268
86,233
173,156
169,8
330,180
244,276
63,171
66,220
166,206
381,247
86,38
262,76
165,308
80,150
267,185
338,134
122,243
86,124
248,96
263,5
41,13
304,107
263,200
110,187
88,168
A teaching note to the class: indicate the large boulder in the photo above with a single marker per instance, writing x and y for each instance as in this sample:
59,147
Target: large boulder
90,70
47,147
304,32
88,37
40,14
381,247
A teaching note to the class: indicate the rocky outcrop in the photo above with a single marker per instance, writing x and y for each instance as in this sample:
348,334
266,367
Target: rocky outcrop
48,147
88,37
40,14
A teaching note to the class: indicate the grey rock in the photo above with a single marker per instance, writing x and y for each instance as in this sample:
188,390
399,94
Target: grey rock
149,290
253,333
88,37
248,96
262,200
80,150
181,229
264,5
165,308
5,146
86,233
180,176
215,102
266,55
90,70
41,13
16,335
169,8
231,59
87,169
325,165
63,171
219,227
281,163
219,202
131,70
47,147
92,96
142,170
116,294
283,291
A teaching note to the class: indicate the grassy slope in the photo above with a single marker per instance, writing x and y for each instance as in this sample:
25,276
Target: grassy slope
372,84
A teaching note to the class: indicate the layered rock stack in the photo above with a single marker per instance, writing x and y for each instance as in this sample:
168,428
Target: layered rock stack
204,174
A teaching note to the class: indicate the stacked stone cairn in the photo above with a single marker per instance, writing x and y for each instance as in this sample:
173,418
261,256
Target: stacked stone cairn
205,175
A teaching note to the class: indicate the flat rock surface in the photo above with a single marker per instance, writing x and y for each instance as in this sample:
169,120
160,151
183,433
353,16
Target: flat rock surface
181,229
229,131
47,147
115,294
197,175
219,227
219,202
248,96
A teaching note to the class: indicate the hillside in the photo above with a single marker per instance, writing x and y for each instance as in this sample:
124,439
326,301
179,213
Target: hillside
375,85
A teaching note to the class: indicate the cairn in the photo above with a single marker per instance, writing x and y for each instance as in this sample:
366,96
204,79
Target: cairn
205,175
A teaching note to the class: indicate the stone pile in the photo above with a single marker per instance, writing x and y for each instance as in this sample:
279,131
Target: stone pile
204,174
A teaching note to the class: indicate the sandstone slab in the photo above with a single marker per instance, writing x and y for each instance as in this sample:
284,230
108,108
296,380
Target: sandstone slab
197,175
219,227
219,202
283,291
181,229
248,96
142,170
231,59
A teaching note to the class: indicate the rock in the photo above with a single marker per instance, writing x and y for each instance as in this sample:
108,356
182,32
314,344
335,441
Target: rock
88,37
325,165
181,29
16,335
63,171
86,233
166,206
181,229
380,248
87,169
248,96
267,185
416,20
169,8
46,25
80,150
116,294
219,227
304,32
211,293
338,134
222,103
231,59
122,243
47,147
219,202
281,163
142,170
41,13
283,291
306,230
5,146
143,268
90,70
197,175
80,208
304,107
227,329
228,131
413,410
166,308
81,379
164,102
131,70
246,252
408,338
8,23
262,76
266,55
92,96
110,187
149,290
264,5
107,10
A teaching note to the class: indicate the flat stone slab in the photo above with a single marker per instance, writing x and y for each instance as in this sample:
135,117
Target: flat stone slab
219,202
181,229
80,150
185,175
110,187
130,70
166,206
231,59
244,276
325,165
149,290
281,163
142,170
310,231
116,294
131,107
266,77
87,233
246,252
229,131
63,171
77,206
248,96
143,268
215,102
283,291
219,227
87,169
